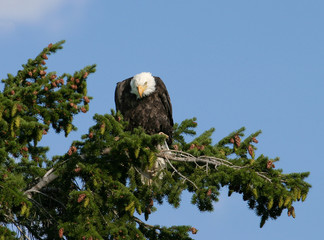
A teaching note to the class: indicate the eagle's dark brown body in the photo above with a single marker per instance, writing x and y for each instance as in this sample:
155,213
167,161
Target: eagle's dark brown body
152,112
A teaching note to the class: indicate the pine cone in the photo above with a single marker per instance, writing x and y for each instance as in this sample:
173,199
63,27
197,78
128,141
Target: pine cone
44,56
85,75
291,212
83,109
232,140
24,148
209,192
192,146
269,164
237,140
251,151
72,150
61,231
254,140
91,135
86,99
19,107
81,197
193,230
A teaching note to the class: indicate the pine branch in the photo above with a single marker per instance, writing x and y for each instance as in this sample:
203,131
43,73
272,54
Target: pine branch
167,155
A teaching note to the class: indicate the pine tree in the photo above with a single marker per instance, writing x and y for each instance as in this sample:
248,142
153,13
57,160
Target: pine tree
96,190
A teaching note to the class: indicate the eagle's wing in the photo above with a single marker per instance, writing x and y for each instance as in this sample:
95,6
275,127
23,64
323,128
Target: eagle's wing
165,98
119,92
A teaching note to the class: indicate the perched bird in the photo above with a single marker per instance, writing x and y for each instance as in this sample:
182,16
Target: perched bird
144,101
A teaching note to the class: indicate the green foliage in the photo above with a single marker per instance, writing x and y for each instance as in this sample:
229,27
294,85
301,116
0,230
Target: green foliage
99,192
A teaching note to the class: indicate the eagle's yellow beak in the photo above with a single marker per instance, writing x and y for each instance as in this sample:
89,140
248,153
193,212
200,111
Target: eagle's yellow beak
141,89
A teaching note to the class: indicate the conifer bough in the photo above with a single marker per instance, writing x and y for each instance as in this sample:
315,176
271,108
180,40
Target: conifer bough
95,190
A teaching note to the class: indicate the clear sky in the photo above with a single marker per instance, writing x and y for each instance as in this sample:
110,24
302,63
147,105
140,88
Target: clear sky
258,64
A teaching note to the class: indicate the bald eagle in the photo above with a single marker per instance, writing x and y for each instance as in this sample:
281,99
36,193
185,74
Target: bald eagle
144,101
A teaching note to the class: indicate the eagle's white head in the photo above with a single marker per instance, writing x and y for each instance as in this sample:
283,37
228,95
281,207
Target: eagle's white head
142,84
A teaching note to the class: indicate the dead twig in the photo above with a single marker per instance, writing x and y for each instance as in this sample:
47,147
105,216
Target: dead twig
181,156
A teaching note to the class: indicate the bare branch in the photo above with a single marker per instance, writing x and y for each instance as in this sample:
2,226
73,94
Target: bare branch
17,226
144,224
168,161
181,156
49,177
263,176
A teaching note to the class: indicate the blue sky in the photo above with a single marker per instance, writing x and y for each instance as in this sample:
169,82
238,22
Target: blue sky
257,64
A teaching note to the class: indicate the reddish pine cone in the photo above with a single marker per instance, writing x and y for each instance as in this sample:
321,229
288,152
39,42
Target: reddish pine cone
81,197
83,109
91,135
237,140
209,192
86,99
251,150
193,230
61,231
